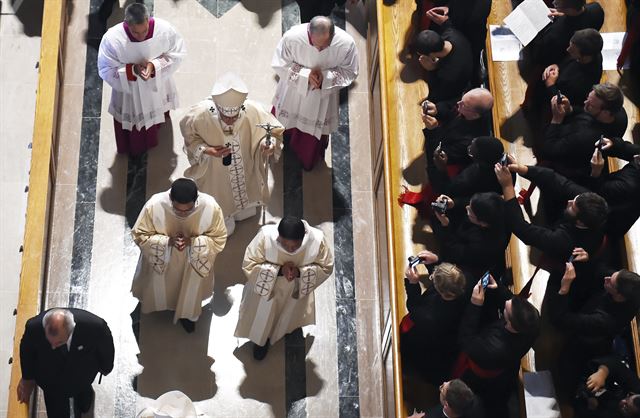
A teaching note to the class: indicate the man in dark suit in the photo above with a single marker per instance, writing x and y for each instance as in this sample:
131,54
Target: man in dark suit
61,351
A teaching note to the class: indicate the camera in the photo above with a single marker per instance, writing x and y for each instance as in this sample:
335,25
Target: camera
439,206
227,160
414,260
425,106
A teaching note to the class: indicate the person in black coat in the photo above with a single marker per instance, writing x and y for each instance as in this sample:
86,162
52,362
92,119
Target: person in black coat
429,331
454,124
62,350
457,400
611,390
570,138
590,330
491,350
448,60
576,75
477,240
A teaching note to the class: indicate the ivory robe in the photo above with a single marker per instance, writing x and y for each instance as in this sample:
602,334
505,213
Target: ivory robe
169,279
141,103
271,305
242,186
297,106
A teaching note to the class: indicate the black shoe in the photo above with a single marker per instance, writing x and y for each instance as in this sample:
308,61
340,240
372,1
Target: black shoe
260,351
82,404
189,326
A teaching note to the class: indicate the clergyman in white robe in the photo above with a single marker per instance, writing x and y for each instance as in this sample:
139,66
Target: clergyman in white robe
241,187
271,305
169,279
311,114
140,106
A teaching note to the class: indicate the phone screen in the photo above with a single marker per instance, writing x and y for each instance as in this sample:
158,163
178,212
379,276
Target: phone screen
485,280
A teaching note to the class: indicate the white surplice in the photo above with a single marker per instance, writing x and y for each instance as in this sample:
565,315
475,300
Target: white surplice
241,187
169,279
297,106
141,103
271,305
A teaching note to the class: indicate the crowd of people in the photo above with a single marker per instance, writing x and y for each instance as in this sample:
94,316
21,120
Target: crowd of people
230,142
465,331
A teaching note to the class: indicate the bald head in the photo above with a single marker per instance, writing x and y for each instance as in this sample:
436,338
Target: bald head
58,325
321,31
475,103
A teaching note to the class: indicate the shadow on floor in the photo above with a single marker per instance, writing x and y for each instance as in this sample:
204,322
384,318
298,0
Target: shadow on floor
168,364
253,386
29,12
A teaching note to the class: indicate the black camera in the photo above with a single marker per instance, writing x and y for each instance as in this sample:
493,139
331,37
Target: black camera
414,260
425,106
227,160
439,206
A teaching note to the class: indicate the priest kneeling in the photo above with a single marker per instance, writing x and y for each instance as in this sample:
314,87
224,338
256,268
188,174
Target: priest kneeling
179,233
284,264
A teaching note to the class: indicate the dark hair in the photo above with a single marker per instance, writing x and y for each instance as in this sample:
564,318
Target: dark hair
487,149
611,96
184,191
588,41
488,207
291,227
459,397
136,13
628,285
427,42
592,210
571,4
525,318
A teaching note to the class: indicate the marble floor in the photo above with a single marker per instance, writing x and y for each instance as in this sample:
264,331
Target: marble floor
328,370
19,55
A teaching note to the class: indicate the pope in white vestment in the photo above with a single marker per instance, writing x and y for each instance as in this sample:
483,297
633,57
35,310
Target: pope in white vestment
138,60
226,125
273,303
178,244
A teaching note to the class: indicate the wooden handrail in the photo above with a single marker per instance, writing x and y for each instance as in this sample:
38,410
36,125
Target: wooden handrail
390,209
40,185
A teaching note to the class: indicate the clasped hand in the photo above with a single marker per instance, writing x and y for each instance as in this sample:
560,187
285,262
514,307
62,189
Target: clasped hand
145,71
315,79
180,242
290,271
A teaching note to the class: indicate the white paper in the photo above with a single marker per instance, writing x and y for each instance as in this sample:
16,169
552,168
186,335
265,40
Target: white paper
504,44
540,395
526,20
611,47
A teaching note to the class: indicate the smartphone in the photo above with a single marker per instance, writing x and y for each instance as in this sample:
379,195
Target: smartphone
571,258
601,143
559,97
484,281
414,260
504,160
439,148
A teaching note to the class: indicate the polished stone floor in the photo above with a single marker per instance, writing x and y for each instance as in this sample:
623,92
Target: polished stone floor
328,370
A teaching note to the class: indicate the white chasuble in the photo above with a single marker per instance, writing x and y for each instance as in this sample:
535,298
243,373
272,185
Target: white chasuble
141,103
242,186
297,105
169,279
271,305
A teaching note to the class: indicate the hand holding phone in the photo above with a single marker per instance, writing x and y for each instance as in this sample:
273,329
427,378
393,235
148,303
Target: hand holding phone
414,260
484,281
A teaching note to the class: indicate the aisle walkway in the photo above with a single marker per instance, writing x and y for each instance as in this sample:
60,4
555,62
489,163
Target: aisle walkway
330,370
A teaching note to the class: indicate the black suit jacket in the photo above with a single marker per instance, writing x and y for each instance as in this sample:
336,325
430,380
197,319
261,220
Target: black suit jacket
91,351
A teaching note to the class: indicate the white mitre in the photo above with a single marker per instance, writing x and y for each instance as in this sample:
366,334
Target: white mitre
229,93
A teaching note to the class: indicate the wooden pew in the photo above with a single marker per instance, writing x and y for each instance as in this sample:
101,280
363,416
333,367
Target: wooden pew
508,89
40,185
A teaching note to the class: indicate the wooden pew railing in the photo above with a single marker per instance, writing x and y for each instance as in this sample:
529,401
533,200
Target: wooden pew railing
41,181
